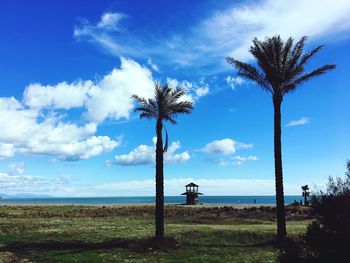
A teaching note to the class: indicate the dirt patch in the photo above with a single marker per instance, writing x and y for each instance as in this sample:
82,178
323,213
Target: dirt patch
8,257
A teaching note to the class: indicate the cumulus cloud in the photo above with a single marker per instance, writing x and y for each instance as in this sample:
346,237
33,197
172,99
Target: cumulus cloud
60,96
113,91
38,125
301,121
145,154
225,147
27,131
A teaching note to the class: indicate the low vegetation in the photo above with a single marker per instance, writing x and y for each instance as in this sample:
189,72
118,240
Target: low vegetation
327,238
125,233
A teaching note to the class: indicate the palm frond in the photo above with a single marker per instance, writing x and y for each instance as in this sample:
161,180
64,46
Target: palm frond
165,105
146,107
263,53
310,54
176,94
169,117
145,115
147,110
139,99
287,50
317,72
250,72
296,54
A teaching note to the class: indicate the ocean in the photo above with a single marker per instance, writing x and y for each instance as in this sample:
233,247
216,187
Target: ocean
149,200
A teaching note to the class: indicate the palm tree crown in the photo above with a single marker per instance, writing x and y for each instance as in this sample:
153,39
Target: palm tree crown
281,65
306,193
165,105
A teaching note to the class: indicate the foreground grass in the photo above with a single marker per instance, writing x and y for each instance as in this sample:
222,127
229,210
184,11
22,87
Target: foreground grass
124,234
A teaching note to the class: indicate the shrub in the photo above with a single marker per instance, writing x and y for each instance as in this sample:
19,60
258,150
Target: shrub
328,237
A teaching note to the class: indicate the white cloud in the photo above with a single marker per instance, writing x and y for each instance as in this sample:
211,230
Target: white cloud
142,154
65,185
13,184
7,150
200,92
155,67
227,32
172,157
16,168
238,160
233,81
113,91
232,30
28,131
194,90
301,121
104,34
145,154
110,21
225,147
60,96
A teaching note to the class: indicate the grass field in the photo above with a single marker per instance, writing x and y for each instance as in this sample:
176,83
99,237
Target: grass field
124,234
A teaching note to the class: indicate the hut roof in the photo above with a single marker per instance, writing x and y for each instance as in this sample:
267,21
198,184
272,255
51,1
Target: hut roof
197,193
191,184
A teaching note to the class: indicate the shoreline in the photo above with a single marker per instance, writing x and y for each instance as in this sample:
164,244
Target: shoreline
238,206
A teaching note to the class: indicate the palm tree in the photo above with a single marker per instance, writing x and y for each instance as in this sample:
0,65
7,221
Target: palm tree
281,69
165,106
306,193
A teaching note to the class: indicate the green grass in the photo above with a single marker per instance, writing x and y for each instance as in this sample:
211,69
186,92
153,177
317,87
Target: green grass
124,234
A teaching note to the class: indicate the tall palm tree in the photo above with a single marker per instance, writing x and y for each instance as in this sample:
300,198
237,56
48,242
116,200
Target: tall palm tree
281,69
165,106
306,193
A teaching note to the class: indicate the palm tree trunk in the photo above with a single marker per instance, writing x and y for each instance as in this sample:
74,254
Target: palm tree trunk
281,221
159,185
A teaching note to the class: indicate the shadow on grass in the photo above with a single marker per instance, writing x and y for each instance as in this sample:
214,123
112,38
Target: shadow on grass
137,245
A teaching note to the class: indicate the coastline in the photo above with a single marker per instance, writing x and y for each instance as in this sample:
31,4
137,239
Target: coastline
236,206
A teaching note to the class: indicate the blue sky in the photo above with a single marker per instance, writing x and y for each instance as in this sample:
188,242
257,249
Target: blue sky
68,69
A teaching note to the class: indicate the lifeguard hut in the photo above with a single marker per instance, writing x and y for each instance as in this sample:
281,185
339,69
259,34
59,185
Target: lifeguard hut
191,194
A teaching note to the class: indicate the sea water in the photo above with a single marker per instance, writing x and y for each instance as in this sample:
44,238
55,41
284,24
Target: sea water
149,200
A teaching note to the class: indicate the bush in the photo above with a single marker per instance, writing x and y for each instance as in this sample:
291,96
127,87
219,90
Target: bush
328,237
